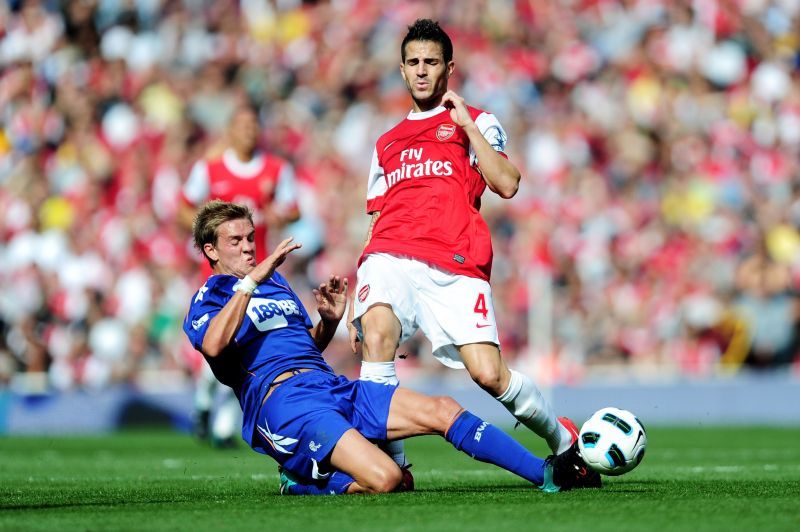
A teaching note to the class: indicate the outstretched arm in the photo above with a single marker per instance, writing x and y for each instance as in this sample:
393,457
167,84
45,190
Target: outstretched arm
223,327
500,175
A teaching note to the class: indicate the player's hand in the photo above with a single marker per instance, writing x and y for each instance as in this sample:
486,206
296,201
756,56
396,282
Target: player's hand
354,341
351,329
267,267
458,109
332,298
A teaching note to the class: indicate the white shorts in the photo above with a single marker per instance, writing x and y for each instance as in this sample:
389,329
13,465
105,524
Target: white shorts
452,310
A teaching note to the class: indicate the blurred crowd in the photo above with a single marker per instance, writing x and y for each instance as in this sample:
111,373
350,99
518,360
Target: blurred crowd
656,227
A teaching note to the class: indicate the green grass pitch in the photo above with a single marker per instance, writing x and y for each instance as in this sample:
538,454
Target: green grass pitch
694,479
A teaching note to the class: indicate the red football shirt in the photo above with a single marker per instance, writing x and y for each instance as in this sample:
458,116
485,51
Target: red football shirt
425,182
263,180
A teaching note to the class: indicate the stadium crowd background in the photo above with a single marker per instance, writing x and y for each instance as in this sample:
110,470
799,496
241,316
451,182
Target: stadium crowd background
658,141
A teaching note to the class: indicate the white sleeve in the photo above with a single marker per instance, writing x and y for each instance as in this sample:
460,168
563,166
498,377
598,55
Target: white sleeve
197,188
376,185
286,188
492,131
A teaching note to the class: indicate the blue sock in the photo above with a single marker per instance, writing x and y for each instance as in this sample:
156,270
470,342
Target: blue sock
336,484
487,443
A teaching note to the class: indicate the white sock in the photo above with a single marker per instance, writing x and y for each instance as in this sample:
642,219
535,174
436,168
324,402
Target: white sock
204,389
380,372
385,373
525,401
228,420
396,450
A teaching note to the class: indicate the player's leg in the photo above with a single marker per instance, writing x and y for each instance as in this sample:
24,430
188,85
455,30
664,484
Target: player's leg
358,467
486,367
516,392
227,420
383,313
307,425
377,307
381,336
372,470
456,313
414,414
205,385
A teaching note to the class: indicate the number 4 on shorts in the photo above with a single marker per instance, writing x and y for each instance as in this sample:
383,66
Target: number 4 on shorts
480,306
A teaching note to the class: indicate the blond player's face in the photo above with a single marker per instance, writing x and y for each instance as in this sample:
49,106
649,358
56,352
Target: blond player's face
235,249
425,73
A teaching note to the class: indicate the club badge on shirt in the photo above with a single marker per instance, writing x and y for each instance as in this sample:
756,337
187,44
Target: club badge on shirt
445,131
363,293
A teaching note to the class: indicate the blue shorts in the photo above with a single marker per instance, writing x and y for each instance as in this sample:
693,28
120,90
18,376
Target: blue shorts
304,418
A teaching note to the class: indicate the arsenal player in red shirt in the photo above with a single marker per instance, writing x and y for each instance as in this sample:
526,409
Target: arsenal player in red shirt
245,174
428,255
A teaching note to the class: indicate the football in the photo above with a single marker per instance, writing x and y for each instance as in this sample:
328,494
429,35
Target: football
612,441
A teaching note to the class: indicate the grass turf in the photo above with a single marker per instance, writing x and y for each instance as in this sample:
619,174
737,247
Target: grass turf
691,479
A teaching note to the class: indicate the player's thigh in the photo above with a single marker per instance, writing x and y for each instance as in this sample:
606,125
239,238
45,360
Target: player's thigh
371,468
301,423
415,414
455,310
384,282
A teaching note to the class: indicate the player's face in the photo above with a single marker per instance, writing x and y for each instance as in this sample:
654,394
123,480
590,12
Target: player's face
235,249
425,73
244,131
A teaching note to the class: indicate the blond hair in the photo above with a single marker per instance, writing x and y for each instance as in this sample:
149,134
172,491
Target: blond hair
212,215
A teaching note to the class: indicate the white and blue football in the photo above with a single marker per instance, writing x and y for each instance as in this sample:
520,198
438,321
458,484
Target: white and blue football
612,441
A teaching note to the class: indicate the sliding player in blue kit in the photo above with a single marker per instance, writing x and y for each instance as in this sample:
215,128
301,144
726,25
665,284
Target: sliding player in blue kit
320,427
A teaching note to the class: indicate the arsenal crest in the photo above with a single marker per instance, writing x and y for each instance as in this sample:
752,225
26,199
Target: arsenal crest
445,131
363,293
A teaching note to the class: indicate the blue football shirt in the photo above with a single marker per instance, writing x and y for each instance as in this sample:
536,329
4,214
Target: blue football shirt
274,338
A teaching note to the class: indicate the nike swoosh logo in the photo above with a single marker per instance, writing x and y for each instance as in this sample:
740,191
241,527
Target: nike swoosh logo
482,325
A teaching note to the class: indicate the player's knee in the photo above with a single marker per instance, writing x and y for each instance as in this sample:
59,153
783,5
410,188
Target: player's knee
489,378
448,410
443,412
386,479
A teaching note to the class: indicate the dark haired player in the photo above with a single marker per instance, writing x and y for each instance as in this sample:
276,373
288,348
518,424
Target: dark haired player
428,254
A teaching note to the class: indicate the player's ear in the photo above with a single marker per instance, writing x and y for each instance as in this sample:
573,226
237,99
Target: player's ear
210,251
451,66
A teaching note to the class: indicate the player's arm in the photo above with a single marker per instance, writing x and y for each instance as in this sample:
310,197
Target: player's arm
373,220
376,191
278,218
283,209
223,327
500,175
331,302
